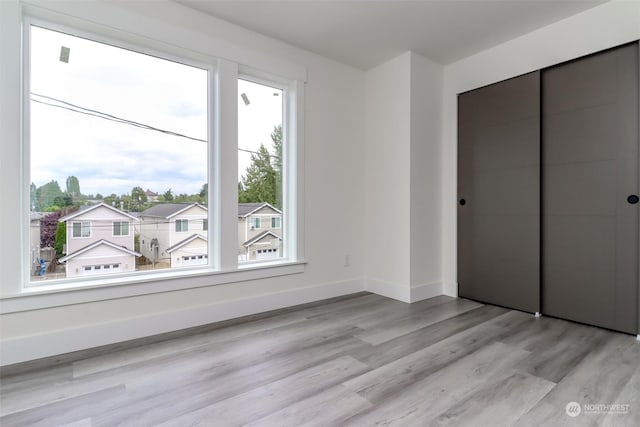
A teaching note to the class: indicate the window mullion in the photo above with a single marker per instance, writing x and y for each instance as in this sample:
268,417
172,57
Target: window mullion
225,163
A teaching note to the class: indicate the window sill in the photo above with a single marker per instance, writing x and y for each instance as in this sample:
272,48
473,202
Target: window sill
40,297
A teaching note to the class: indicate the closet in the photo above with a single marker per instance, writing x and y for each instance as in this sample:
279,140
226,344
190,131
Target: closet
548,191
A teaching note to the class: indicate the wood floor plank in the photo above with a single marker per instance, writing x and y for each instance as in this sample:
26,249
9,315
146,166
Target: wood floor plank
497,403
330,407
262,401
155,350
629,395
63,411
387,380
378,314
155,400
559,357
386,331
429,397
404,345
597,379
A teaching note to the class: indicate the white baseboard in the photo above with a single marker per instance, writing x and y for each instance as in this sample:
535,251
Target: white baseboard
450,288
23,349
389,290
428,290
403,293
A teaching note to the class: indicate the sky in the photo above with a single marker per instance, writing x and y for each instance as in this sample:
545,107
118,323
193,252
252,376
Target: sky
113,157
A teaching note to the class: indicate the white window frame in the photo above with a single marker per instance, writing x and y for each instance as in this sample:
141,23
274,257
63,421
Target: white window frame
279,221
113,228
82,229
257,222
184,227
225,63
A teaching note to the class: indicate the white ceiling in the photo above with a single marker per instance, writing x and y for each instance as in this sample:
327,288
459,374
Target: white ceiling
367,33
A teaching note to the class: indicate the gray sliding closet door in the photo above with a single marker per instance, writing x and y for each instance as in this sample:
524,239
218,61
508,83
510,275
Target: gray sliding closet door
499,193
590,175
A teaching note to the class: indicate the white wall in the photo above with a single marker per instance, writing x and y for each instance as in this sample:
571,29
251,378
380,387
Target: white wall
426,183
602,27
386,212
334,197
403,133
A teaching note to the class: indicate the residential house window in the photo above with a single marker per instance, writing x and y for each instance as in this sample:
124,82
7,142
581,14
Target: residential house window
120,228
182,225
81,229
124,102
275,222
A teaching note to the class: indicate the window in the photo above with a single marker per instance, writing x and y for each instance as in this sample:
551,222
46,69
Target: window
261,146
124,122
120,228
182,225
81,229
103,120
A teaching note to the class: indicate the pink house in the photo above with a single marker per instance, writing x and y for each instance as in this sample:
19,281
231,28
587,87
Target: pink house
99,241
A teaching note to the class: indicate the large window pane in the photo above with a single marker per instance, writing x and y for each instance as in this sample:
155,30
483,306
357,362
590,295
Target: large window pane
117,137
260,207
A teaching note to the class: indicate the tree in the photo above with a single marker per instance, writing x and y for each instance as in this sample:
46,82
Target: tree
138,195
276,137
73,187
99,196
49,227
47,194
167,196
204,191
63,201
262,181
259,182
137,200
112,200
61,238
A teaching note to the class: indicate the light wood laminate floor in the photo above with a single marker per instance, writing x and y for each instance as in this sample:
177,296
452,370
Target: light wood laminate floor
358,360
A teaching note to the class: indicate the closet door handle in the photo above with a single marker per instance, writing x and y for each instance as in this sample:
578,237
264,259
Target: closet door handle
633,199
462,202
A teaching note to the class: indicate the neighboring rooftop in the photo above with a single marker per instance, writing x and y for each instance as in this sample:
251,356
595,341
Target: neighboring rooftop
167,210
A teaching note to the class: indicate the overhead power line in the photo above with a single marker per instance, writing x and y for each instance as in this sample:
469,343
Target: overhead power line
106,116
90,112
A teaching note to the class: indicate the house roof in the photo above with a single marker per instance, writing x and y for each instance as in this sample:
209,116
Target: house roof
150,193
260,237
246,209
185,241
36,216
95,245
168,210
86,209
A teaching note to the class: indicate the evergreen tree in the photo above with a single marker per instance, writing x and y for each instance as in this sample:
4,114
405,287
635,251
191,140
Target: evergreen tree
259,182
73,187
262,181
47,193
276,137
61,238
